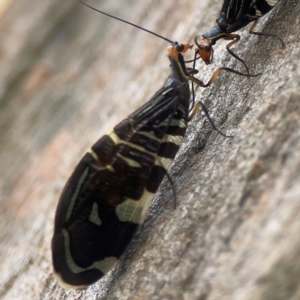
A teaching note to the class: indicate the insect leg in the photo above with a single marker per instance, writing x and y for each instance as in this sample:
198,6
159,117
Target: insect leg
216,74
265,34
235,38
195,110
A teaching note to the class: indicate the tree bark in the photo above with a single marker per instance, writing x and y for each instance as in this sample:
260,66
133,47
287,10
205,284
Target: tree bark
69,74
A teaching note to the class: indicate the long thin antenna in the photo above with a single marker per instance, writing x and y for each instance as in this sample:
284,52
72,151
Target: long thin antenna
126,22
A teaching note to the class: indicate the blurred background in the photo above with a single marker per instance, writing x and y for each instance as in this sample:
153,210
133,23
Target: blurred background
69,74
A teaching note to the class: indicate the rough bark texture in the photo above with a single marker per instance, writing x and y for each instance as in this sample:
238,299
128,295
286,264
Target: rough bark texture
68,74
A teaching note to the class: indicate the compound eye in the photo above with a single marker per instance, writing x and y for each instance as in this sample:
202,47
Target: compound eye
180,47
205,46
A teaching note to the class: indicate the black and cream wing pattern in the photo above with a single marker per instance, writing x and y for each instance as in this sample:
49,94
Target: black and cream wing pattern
110,190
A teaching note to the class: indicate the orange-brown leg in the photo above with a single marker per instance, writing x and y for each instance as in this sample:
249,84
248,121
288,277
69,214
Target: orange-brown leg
265,34
195,110
216,74
235,38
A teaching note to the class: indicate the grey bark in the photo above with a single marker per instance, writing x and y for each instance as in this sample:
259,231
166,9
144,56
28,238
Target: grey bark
69,74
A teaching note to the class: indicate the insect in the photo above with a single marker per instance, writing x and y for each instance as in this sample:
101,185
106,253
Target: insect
111,189
108,194
195,80
234,15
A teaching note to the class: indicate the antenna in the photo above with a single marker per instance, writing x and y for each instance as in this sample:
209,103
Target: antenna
129,23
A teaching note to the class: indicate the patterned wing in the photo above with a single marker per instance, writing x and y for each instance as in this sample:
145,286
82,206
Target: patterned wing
109,193
236,14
